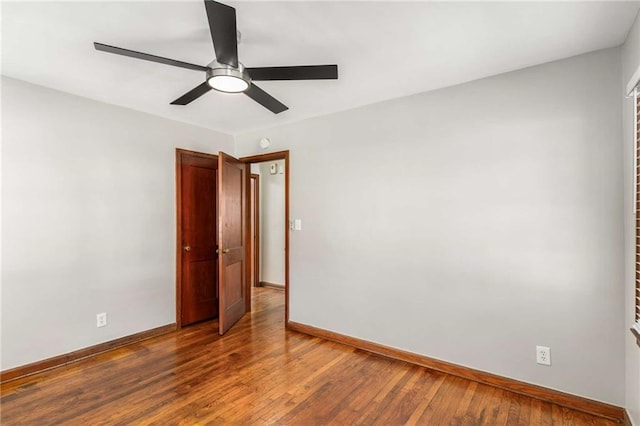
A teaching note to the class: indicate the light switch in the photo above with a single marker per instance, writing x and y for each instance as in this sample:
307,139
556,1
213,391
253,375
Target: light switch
298,224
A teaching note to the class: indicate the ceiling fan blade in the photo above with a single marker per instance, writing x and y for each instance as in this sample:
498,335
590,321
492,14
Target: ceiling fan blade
192,95
265,99
146,57
303,72
222,23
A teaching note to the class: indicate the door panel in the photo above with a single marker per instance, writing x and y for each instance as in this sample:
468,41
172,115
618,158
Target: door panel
202,274
198,223
232,229
233,291
232,185
201,225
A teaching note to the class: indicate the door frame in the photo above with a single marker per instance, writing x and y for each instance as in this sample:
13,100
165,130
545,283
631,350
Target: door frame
179,153
255,220
261,158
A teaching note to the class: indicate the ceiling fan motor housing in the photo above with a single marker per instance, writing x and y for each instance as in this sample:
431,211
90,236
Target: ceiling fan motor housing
218,72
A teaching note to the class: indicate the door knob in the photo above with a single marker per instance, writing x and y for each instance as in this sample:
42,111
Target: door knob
187,248
222,251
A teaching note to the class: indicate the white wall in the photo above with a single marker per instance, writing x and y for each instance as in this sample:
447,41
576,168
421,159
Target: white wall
630,63
470,224
272,223
88,220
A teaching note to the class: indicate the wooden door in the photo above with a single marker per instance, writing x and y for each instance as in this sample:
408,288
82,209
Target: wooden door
198,263
232,241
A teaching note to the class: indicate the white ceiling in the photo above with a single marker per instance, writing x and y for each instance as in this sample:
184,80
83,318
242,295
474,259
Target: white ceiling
384,49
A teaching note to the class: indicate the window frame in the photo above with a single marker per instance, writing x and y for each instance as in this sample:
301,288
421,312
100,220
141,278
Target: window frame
635,328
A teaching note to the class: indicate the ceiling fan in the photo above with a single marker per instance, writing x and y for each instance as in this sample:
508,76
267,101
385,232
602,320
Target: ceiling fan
225,73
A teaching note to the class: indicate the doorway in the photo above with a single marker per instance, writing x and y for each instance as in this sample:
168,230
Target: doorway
264,162
269,221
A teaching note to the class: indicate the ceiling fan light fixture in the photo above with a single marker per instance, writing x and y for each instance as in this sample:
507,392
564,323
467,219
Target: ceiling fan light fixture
227,79
228,84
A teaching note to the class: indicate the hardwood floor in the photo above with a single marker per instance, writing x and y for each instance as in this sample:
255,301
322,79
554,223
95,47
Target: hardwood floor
261,374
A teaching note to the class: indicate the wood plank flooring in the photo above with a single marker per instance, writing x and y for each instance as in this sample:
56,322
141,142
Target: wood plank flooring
261,374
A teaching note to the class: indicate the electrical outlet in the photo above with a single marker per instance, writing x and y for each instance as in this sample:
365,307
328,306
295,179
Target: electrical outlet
543,355
101,319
